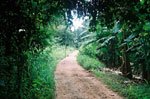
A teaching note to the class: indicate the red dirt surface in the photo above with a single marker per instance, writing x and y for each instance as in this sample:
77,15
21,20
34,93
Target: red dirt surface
74,82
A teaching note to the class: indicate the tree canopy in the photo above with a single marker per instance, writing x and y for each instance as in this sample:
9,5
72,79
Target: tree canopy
116,31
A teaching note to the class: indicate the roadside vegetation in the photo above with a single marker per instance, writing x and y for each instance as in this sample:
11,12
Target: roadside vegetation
42,73
89,63
129,88
39,82
116,33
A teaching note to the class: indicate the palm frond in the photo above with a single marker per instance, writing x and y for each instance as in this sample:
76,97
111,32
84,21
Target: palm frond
88,36
89,42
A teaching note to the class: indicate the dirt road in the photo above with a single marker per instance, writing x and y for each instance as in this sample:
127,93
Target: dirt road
73,82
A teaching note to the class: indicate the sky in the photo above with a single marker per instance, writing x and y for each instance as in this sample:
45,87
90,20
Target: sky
77,22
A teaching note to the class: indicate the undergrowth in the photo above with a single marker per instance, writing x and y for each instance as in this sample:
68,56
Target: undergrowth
115,82
88,62
42,70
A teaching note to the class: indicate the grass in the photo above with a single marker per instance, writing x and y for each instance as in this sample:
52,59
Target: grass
42,72
115,82
88,62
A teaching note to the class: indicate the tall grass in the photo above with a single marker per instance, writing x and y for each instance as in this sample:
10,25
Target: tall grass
88,62
129,90
42,67
115,82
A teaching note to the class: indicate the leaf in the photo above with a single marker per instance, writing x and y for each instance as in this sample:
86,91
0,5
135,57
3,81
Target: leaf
122,45
107,40
104,50
83,33
117,52
87,36
102,39
116,28
130,38
130,88
145,34
146,27
89,41
146,97
34,85
142,1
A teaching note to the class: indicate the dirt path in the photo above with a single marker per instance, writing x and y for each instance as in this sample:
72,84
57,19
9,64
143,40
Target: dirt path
73,82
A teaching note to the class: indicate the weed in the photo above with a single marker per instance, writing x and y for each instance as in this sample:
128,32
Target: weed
115,82
42,72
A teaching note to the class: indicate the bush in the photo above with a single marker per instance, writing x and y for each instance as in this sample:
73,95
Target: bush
130,91
42,67
88,62
89,50
115,82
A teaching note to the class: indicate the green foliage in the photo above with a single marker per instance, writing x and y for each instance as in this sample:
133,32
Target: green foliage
42,76
130,91
120,37
25,32
146,27
65,36
40,84
116,47
89,50
59,52
117,83
121,28
88,62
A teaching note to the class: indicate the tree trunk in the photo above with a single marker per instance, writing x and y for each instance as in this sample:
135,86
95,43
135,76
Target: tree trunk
19,74
144,71
125,67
